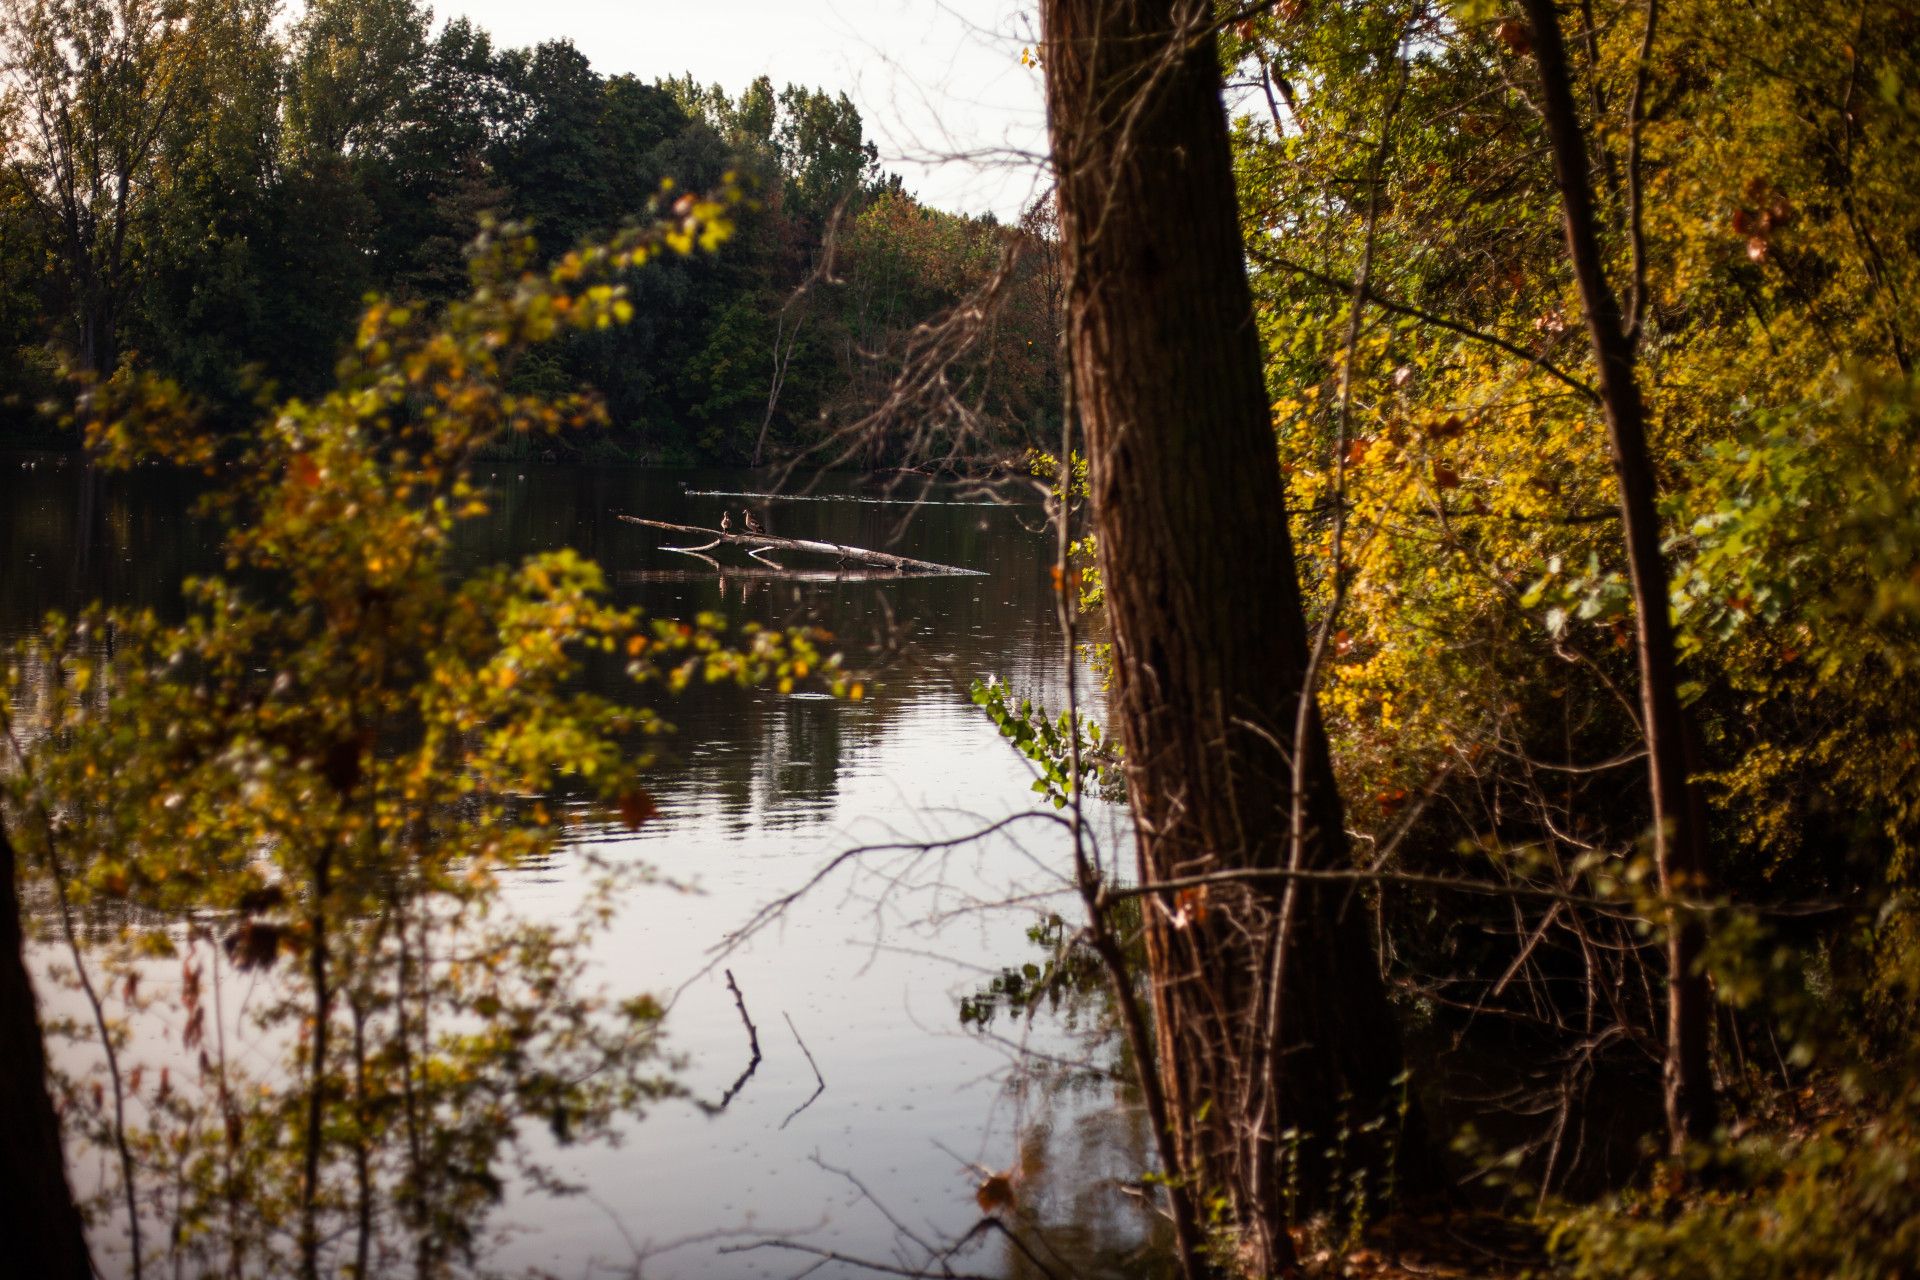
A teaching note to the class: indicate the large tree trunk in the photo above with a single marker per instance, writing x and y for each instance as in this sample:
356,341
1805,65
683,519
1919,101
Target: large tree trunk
39,1225
1679,839
1210,641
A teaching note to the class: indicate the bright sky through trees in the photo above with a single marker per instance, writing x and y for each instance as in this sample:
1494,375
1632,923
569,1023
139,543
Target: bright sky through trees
934,79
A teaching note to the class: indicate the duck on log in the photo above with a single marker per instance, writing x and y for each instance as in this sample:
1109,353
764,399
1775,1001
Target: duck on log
842,553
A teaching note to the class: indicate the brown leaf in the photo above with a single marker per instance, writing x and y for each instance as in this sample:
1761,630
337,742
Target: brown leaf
994,1192
1445,477
637,808
254,944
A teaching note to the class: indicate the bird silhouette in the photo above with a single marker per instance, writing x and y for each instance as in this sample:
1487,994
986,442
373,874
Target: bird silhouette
726,522
753,526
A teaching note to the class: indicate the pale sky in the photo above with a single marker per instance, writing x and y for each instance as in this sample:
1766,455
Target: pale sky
938,82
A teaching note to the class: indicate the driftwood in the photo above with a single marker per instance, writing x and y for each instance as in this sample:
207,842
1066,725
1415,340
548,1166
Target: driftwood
758,543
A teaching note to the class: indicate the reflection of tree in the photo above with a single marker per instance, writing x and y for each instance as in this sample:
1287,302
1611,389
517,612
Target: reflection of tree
1073,1195
1079,1208
132,542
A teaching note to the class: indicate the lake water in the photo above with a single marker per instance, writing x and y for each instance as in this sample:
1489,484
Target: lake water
758,792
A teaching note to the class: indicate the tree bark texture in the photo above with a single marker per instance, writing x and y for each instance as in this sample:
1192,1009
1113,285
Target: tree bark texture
40,1228
1679,837
1210,639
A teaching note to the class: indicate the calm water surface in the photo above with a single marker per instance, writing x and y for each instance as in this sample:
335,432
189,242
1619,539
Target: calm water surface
757,792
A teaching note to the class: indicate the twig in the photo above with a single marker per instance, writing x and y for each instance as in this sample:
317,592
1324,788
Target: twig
864,1264
821,1081
753,1043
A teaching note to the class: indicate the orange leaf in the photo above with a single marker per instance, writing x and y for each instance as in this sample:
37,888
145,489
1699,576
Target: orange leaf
1517,36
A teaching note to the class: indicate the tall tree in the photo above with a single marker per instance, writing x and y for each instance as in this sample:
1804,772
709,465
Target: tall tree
1679,840
95,85
38,1219
355,68
203,310
1272,1016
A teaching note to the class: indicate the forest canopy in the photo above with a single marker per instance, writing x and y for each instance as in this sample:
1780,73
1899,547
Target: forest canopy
210,191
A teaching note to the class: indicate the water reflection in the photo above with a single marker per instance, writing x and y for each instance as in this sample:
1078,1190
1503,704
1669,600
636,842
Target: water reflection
756,791
70,535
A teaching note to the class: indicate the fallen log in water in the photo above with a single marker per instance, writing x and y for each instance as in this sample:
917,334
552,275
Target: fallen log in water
758,542
851,575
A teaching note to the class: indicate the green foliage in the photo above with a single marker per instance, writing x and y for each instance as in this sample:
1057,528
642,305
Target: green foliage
1594,595
1809,529
1067,969
1081,551
1051,744
1836,1196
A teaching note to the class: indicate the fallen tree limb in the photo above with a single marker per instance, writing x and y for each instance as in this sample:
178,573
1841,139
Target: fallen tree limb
840,551
756,573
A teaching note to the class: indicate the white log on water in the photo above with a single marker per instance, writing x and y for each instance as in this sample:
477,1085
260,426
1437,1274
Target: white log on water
758,542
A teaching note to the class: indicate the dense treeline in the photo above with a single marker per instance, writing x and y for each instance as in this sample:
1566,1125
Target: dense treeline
209,192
